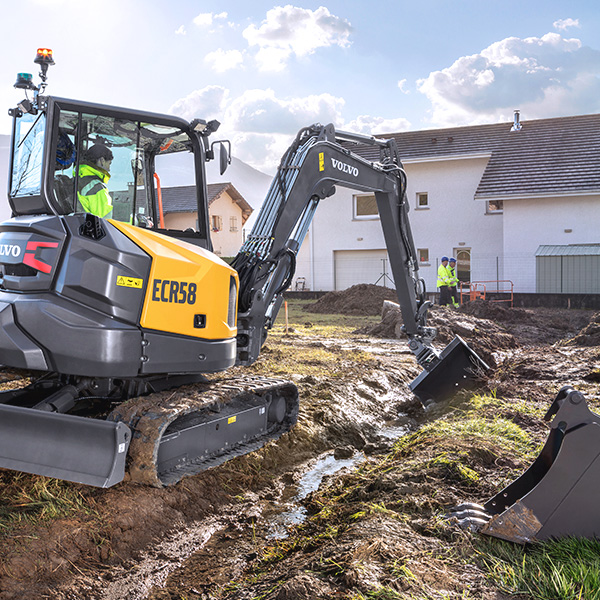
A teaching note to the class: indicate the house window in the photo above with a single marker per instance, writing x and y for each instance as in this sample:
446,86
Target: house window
494,206
233,224
216,223
365,206
422,200
423,254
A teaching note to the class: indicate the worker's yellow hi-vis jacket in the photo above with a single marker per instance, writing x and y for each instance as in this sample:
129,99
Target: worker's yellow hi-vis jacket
92,191
444,276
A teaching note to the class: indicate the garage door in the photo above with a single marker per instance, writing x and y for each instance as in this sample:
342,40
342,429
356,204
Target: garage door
362,266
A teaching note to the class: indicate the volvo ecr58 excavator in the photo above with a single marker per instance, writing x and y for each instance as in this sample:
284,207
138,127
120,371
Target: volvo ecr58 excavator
119,318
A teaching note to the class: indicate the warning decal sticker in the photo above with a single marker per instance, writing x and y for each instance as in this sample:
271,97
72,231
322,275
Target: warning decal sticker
132,282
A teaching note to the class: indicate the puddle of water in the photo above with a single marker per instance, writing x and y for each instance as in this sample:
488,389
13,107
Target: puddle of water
288,512
393,432
281,516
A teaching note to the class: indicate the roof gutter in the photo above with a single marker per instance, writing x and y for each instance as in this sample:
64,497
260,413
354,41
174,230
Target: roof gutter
427,159
489,197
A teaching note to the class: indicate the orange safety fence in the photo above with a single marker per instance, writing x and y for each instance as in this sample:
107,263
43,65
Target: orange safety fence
478,290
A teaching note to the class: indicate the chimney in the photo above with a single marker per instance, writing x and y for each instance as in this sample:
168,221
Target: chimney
517,123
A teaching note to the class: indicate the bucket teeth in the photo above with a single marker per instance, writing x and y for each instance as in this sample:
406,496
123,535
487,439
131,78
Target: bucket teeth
469,516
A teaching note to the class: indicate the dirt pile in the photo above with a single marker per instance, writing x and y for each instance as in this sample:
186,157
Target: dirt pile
484,335
531,326
490,327
361,299
589,335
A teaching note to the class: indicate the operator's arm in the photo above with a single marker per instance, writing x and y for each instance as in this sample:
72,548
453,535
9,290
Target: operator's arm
96,200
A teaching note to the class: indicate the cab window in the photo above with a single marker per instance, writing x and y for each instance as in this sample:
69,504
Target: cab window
28,152
105,165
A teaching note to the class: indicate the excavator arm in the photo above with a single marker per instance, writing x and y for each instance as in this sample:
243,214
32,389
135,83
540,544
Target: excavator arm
319,159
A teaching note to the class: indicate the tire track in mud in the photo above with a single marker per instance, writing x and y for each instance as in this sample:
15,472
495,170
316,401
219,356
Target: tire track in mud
155,565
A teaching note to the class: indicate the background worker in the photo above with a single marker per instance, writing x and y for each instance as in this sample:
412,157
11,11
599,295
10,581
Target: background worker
453,282
94,173
443,282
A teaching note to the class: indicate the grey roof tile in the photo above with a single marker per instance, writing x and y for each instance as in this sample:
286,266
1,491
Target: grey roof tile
183,198
546,157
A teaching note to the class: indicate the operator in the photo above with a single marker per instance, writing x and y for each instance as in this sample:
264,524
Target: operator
453,282
94,173
443,281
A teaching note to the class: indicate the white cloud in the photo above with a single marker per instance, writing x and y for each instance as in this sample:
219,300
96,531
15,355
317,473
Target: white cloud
547,76
290,30
261,126
564,24
207,103
368,125
224,60
402,86
181,30
260,111
206,19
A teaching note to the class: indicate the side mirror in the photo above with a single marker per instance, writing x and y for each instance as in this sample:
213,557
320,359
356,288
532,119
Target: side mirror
224,154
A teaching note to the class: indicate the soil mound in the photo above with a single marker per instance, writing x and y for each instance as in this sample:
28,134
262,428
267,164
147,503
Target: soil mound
483,335
589,335
361,299
496,312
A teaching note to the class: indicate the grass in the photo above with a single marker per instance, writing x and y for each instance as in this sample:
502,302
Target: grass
29,499
567,569
306,323
452,452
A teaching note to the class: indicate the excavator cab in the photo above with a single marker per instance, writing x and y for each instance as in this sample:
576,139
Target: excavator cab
101,308
48,161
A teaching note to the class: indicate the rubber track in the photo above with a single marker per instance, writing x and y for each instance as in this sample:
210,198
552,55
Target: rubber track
150,416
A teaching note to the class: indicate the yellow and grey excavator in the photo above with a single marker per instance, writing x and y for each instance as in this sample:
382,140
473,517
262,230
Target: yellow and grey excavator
119,319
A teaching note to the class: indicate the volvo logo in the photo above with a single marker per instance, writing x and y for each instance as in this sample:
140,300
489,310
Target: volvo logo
10,250
344,168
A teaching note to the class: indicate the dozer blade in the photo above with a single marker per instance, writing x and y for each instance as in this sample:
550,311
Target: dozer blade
63,446
558,495
457,367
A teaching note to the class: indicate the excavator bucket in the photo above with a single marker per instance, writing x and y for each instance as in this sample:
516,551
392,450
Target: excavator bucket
63,446
558,495
456,368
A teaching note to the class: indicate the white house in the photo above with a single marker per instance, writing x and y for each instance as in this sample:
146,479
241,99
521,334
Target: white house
228,211
490,195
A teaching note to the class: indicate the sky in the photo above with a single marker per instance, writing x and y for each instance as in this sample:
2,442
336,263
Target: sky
265,70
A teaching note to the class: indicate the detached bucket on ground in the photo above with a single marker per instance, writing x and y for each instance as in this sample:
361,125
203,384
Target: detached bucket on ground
558,495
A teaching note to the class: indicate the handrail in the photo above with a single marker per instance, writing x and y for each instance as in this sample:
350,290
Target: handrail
161,218
477,290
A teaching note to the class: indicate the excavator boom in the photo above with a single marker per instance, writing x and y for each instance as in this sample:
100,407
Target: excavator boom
319,159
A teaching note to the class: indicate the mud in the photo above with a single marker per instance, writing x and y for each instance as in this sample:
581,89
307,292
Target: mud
224,534
361,299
